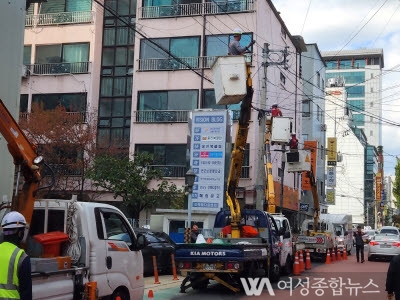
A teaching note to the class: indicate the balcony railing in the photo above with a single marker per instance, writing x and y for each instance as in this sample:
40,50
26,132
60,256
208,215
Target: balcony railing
73,17
79,117
170,64
193,9
59,68
180,171
161,116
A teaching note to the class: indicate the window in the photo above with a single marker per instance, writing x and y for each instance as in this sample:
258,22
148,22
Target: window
115,227
217,45
168,100
318,79
331,65
319,113
323,83
371,133
356,91
63,58
359,63
306,108
246,162
371,104
282,78
71,102
208,101
283,32
185,48
55,6
27,55
352,77
23,103
372,89
345,64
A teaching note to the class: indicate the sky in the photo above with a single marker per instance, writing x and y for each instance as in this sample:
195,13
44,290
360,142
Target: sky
351,25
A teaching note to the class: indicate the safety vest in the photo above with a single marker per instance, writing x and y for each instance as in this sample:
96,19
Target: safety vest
9,258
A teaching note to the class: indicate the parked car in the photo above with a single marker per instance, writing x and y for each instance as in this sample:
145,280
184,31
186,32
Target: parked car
390,229
161,246
368,235
384,245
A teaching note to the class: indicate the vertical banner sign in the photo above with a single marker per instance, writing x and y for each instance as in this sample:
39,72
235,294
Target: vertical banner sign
207,158
331,177
378,186
312,146
332,151
330,196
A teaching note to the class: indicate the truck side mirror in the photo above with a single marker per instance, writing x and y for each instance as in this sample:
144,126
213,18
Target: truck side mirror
281,231
286,235
141,241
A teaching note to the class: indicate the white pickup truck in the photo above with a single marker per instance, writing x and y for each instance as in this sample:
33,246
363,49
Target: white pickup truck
101,247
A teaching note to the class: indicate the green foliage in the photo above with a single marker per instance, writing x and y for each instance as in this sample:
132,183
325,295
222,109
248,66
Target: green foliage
396,184
130,180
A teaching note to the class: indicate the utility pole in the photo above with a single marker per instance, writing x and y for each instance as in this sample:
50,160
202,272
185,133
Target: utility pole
261,175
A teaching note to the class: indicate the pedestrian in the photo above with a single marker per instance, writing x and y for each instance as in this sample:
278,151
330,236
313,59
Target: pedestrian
234,47
17,285
392,279
194,233
359,244
275,111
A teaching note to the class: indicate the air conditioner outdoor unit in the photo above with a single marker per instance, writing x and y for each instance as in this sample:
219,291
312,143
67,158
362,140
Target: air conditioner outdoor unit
24,71
323,127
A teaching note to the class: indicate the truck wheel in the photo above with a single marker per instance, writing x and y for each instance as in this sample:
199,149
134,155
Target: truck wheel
288,268
274,270
120,294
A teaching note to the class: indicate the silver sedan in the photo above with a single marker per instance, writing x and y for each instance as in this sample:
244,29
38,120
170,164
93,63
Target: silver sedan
383,245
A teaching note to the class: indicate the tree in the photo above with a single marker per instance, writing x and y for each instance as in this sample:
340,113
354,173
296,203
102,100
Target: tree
65,140
130,179
396,184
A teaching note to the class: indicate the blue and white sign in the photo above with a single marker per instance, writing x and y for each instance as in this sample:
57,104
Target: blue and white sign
207,158
304,207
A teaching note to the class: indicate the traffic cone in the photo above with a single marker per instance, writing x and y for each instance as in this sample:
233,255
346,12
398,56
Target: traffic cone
118,298
150,295
308,260
328,257
344,254
209,241
338,254
301,262
333,256
296,266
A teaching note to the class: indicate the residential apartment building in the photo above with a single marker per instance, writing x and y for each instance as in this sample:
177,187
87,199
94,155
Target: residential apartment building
313,125
143,69
12,15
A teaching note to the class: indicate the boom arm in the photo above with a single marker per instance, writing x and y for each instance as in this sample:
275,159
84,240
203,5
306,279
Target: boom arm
237,158
314,192
24,154
269,187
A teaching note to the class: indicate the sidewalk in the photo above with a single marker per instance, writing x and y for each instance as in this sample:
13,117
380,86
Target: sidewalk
165,282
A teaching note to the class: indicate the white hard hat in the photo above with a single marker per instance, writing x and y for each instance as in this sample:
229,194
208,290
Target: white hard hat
13,220
275,105
293,133
237,31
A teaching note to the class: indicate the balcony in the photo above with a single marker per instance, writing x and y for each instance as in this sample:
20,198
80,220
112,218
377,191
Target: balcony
59,68
79,117
170,64
74,17
161,116
196,9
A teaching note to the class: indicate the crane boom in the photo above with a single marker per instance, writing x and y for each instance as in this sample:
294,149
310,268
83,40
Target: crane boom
269,187
237,157
314,192
24,155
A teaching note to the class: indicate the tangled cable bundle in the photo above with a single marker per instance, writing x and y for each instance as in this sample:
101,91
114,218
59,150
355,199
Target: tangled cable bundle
74,248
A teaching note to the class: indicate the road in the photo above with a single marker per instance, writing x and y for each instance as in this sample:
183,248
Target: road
344,279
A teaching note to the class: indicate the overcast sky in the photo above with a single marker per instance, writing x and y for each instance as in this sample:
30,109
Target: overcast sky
352,24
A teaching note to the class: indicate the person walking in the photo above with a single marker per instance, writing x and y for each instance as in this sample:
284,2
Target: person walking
392,279
234,47
194,233
359,244
15,264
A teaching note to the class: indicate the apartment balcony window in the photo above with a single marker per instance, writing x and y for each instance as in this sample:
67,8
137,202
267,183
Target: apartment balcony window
166,106
209,101
217,45
61,59
170,8
186,49
306,108
169,159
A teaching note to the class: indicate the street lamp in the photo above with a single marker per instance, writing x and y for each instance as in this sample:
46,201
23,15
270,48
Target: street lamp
190,177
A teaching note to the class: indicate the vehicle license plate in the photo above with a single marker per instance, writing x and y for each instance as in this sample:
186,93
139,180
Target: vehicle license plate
386,246
209,267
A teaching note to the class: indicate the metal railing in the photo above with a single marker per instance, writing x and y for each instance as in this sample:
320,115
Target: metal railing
161,116
170,64
79,117
170,170
193,9
73,17
59,68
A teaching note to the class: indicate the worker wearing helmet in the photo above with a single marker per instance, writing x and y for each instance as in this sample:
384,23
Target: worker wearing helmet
293,142
234,47
275,111
15,264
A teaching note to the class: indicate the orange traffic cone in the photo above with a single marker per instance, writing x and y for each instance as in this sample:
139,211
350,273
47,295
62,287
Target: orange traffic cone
328,258
150,295
344,254
339,255
308,260
296,266
333,256
301,262
209,241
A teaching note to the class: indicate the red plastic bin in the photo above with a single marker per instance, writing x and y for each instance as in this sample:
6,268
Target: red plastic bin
51,242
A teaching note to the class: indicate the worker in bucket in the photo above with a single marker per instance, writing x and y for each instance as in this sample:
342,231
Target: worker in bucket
17,285
234,47
275,111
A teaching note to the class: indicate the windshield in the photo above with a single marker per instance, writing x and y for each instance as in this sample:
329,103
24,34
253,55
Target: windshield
389,230
386,237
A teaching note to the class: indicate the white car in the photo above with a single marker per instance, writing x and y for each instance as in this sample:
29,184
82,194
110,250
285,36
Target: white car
390,229
384,245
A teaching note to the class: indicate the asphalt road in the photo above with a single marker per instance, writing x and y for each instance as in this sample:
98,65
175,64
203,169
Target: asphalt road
345,279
